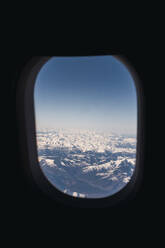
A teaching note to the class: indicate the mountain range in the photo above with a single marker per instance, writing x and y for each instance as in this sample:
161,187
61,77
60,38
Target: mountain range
86,163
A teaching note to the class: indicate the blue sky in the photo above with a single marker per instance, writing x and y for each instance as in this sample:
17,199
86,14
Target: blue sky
86,92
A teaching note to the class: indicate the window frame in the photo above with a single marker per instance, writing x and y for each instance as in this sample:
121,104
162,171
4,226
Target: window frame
27,135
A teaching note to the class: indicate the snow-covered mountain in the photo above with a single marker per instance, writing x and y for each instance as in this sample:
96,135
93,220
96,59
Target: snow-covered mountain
85,163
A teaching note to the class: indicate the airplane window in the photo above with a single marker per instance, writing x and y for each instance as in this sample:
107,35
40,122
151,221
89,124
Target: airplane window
86,125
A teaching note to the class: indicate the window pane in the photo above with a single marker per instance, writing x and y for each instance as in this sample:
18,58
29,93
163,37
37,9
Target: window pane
86,124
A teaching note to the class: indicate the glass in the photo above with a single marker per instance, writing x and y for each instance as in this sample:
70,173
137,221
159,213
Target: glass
86,124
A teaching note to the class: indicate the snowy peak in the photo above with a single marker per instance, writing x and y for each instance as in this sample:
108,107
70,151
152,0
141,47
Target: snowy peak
86,163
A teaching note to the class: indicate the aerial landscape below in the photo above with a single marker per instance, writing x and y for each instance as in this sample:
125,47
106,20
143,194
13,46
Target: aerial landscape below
86,163
86,124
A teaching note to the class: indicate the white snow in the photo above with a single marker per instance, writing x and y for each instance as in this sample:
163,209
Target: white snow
84,140
81,147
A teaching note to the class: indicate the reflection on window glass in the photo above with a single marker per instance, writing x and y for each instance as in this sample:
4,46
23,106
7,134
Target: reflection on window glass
86,124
